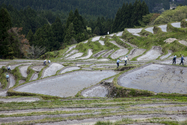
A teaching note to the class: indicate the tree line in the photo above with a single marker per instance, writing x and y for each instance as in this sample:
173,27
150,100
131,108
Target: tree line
52,33
85,7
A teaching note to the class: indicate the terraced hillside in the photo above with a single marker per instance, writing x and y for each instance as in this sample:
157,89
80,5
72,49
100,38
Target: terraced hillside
83,86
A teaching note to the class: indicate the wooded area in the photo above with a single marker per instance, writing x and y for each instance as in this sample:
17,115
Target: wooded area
53,29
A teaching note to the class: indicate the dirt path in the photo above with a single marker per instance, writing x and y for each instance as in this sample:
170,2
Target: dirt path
22,99
49,110
92,121
52,69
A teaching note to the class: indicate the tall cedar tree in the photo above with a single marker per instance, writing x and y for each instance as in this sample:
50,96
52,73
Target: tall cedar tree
5,25
129,15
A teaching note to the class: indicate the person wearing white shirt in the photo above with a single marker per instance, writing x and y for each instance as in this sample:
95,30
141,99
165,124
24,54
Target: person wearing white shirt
125,59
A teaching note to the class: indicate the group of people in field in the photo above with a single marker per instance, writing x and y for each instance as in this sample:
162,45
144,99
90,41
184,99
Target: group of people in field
45,62
9,68
174,60
125,60
181,62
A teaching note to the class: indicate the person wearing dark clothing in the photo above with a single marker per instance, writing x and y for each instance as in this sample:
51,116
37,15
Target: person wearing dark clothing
118,63
182,61
174,59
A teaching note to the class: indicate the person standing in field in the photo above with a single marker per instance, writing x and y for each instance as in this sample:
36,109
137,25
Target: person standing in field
125,59
174,59
118,62
182,60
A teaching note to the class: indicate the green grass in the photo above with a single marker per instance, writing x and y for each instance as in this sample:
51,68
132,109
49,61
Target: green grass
172,15
158,40
3,80
16,73
30,72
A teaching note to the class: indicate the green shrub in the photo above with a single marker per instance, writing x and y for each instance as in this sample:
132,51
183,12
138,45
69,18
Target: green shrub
48,55
184,23
3,80
145,33
16,73
118,41
170,28
157,30
174,47
172,15
30,72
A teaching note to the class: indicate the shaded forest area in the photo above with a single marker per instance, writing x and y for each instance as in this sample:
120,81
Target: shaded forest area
50,30
107,8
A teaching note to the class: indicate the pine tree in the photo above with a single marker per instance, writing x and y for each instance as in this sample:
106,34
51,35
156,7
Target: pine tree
70,33
70,19
58,31
30,36
5,25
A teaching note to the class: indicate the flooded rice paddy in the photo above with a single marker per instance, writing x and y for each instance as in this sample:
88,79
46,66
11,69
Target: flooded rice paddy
156,78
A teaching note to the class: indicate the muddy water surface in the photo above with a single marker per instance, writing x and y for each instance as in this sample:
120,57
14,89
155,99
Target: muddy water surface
157,78
67,84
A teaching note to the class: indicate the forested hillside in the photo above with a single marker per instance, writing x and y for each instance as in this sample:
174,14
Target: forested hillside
106,8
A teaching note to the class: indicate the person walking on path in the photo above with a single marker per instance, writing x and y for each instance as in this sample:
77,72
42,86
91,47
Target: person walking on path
174,59
118,62
126,58
182,60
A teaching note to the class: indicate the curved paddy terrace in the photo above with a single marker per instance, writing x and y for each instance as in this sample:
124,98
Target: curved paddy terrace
66,85
156,78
